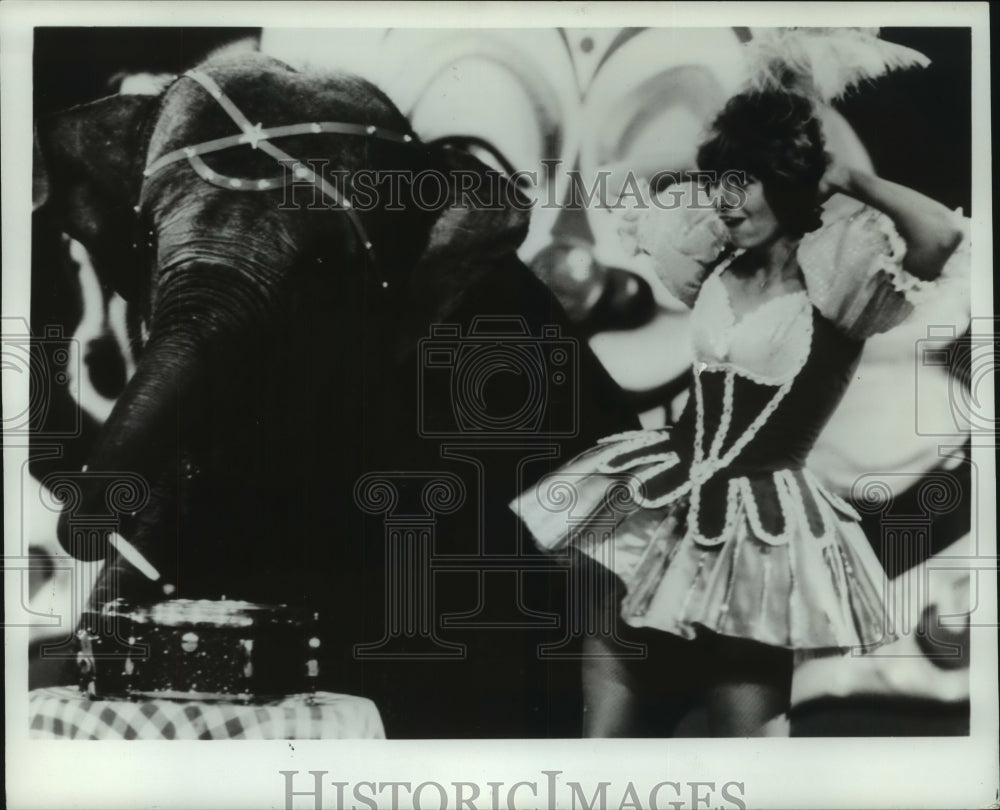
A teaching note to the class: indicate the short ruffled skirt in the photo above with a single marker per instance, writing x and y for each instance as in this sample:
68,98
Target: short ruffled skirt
772,557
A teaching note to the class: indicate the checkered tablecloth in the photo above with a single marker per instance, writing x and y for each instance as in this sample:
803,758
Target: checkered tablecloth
64,713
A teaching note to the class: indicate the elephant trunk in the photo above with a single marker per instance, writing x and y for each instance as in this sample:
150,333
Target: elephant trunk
202,312
140,433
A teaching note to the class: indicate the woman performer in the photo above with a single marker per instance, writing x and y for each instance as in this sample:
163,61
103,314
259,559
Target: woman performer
728,551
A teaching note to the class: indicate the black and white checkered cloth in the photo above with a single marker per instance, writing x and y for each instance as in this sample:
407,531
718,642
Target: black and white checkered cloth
65,713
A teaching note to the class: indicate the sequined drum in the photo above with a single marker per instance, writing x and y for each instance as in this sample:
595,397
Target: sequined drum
197,650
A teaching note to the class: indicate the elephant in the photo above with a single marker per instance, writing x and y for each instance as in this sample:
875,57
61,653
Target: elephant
281,357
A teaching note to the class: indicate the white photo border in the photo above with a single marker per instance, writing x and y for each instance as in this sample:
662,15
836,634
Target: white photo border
775,773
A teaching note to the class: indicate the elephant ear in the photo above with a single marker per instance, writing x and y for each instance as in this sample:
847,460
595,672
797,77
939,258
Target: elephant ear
486,218
88,162
87,173
487,214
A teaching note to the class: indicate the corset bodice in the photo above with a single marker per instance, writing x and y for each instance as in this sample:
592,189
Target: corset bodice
764,386
768,425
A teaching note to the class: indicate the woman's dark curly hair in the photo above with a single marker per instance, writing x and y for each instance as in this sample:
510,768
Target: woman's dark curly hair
775,137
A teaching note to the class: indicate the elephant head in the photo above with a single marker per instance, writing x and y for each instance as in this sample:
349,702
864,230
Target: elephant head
225,260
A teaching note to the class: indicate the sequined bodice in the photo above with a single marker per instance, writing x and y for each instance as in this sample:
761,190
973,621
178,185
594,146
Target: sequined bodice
764,385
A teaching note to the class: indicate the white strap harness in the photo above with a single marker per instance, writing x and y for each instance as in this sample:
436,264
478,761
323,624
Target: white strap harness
257,137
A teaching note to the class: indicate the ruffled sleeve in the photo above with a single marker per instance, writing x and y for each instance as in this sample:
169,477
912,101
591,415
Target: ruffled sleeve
853,267
683,237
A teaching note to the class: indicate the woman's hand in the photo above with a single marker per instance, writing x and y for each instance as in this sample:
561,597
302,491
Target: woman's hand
836,179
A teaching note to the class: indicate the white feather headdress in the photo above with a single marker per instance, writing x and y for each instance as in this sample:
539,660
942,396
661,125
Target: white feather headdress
823,63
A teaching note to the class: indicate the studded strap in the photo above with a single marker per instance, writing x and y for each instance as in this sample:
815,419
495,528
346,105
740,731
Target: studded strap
257,137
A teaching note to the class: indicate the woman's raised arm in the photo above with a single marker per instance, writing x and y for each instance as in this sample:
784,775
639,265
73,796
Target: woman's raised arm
931,231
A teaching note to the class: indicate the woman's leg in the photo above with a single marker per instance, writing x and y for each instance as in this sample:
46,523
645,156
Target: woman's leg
611,698
746,709
611,692
636,682
750,690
